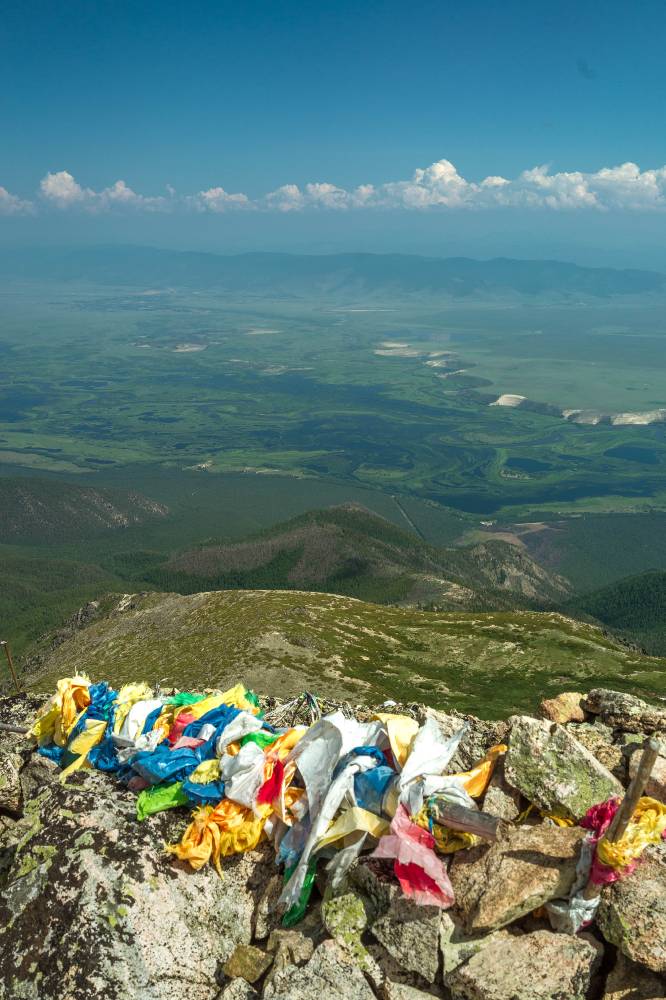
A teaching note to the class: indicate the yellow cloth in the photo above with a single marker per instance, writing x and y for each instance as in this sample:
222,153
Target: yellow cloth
62,711
646,827
559,819
401,731
234,696
208,770
447,841
353,820
217,833
128,695
476,781
82,743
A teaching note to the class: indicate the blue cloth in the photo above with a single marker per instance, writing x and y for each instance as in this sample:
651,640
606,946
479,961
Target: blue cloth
370,787
52,752
208,794
151,719
370,751
103,706
219,717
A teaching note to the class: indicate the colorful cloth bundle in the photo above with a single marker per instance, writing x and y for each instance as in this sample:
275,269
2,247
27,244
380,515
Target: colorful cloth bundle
323,792
326,791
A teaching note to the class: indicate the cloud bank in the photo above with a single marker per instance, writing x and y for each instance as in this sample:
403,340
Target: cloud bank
438,187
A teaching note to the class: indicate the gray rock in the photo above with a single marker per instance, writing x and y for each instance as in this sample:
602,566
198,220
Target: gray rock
537,966
400,991
501,799
238,989
625,711
479,738
553,770
457,946
90,905
632,912
531,865
410,934
628,981
656,785
329,973
267,916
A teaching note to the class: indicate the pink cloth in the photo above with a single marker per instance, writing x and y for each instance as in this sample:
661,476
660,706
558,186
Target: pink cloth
187,742
597,820
421,873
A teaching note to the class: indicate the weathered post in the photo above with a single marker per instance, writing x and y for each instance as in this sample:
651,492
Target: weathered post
8,654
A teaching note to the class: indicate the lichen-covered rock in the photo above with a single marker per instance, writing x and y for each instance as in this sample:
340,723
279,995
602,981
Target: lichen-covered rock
531,865
90,905
632,912
345,918
247,962
410,934
625,711
17,710
536,966
597,737
329,973
628,981
566,707
553,770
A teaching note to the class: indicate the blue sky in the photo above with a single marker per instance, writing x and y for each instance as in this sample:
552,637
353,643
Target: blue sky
223,121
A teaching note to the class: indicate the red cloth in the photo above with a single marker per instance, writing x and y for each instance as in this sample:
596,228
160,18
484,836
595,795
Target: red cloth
597,820
176,730
272,787
421,873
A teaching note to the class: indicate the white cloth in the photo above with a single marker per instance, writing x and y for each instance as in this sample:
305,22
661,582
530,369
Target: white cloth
430,754
243,775
136,717
239,726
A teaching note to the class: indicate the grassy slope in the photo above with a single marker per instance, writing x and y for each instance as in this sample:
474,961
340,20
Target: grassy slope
282,642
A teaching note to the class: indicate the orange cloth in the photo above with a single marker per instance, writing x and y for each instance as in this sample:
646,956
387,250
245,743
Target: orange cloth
217,833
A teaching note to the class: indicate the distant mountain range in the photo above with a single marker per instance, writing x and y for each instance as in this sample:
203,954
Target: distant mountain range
328,275
350,550
42,511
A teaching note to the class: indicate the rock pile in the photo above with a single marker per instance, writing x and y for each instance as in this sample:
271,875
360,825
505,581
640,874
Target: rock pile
91,905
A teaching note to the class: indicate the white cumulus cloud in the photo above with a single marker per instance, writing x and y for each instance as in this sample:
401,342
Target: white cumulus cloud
438,187
10,204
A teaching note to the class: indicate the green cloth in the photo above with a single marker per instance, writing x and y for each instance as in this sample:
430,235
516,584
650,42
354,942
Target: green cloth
185,698
295,913
252,698
160,797
261,738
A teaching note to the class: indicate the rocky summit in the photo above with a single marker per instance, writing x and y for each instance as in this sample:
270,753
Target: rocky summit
91,905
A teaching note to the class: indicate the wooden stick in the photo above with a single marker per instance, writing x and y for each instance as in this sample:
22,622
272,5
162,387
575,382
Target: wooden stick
6,728
627,807
468,820
8,654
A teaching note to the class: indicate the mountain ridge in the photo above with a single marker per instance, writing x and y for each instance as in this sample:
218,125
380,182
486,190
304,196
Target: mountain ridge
325,274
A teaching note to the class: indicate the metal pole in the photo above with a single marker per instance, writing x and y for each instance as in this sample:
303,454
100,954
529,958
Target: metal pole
8,654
